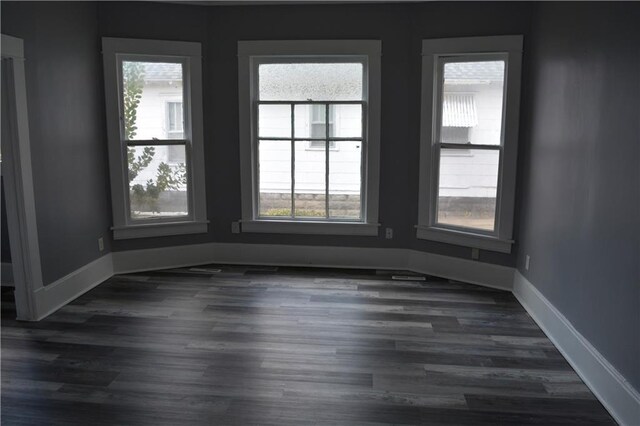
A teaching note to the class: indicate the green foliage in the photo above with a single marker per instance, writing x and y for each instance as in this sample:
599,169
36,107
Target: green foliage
133,83
168,177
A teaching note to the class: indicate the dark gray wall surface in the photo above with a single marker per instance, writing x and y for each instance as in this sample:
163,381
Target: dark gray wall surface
401,28
580,213
4,227
66,121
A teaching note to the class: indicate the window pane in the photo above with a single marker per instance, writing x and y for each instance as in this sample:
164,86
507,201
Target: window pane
310,81
147,87
275,178
347,121
472,102
157,185
467,188
310,187
274,121
344,179
310,121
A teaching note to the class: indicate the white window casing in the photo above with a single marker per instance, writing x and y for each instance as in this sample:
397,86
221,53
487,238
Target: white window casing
435,53
253,53
188,55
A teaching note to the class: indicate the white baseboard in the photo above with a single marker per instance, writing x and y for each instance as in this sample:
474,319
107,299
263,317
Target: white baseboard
608,385
7,274
495,276
52,297
465,270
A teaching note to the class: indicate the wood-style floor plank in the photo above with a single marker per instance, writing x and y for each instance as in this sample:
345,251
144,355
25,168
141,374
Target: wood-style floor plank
275,346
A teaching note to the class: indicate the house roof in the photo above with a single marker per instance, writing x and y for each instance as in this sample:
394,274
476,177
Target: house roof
492,71
162,71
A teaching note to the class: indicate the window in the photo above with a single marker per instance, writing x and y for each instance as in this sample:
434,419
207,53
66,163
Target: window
469,131
154,119
309,127
318,129
175,120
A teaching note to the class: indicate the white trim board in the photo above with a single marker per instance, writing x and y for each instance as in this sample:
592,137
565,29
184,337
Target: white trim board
495,276
54,296
608,385
18,184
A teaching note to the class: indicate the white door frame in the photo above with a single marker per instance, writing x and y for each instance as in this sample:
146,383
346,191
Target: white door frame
21,208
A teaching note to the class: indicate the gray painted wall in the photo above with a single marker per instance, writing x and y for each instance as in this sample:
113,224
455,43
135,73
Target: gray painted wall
401,28
580,213
5,249
66,120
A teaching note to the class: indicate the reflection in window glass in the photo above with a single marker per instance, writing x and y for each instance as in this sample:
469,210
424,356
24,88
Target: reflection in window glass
467,188
157,186
310,81
472,100
146,88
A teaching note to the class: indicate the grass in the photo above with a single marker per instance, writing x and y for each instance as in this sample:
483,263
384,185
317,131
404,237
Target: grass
299,213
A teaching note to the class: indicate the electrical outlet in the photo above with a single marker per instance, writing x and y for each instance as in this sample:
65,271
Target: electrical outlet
388,233
475,253
235,227
101,244
527,259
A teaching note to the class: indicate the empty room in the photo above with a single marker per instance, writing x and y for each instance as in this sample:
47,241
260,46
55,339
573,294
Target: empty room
256,212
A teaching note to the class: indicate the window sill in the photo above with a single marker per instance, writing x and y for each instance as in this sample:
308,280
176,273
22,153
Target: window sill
313,228
461,238
159,229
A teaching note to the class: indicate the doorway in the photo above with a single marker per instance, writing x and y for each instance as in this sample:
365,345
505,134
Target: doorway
17,181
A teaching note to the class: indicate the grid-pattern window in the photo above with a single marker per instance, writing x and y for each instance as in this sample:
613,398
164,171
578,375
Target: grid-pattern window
309,130
298,107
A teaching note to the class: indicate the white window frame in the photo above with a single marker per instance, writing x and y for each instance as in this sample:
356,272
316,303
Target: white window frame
509,48
252,53
114,50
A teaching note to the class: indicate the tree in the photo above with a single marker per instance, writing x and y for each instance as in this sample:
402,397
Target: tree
168,177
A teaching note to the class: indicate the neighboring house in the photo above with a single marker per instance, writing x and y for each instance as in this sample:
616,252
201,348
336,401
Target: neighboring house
472,104
160,115
472,111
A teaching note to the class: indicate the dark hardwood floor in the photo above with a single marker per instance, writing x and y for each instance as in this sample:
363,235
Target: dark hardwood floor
252,345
